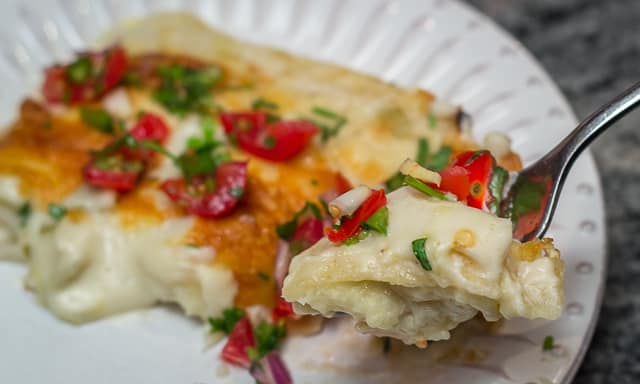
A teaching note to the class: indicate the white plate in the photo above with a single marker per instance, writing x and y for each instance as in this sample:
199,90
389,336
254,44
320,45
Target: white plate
443,46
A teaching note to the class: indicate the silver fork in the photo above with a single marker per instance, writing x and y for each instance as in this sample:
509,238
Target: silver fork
542,181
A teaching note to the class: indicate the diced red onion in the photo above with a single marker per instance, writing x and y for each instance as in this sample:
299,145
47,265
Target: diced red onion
412,168
271,370
283,258
348,202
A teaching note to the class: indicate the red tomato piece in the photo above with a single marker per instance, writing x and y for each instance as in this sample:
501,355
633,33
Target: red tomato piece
115,67
283,310
307,233
455,180
480,165
117,180
342,184
350,226
54,88
240,339
228,184
106,70
279,141
150,127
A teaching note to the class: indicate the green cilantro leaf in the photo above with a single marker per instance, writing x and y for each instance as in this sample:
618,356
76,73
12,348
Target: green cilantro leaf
440,159
183,89
379,221
79,71
423,152
98,119
268,336
225,324
286,230
496,186
420,252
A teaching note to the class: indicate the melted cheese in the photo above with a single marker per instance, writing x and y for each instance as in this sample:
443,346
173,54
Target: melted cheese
113,253
476,266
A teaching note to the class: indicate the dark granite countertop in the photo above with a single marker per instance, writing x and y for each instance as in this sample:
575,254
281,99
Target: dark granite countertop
592,50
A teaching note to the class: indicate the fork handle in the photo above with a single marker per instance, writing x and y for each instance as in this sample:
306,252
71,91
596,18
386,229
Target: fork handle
564,154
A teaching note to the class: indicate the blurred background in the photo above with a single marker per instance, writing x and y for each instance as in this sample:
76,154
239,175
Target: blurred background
591,48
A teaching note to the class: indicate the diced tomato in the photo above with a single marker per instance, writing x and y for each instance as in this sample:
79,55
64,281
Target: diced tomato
240,339
115,67
122,166
117,180
455,180
342,184
210,196
54,88
307,233
279,141
283,310
105,71
479,165
150,127
350,226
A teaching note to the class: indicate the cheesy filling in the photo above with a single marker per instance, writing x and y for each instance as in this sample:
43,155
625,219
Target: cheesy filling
476,267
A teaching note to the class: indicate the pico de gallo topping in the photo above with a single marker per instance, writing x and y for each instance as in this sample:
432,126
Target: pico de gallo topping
211,195
277,141
253,346
88,78
476,180
119,165
371,215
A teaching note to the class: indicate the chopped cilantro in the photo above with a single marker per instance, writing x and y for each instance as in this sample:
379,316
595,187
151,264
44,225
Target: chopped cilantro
225,324
57,211
98,119
436,162
423,152
263,276
268,336
24,212
548,343
439,161
355,239
132,79
183,89
379,221
496,186
394,182
286,230
261,103
208,126
79,71
420,252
